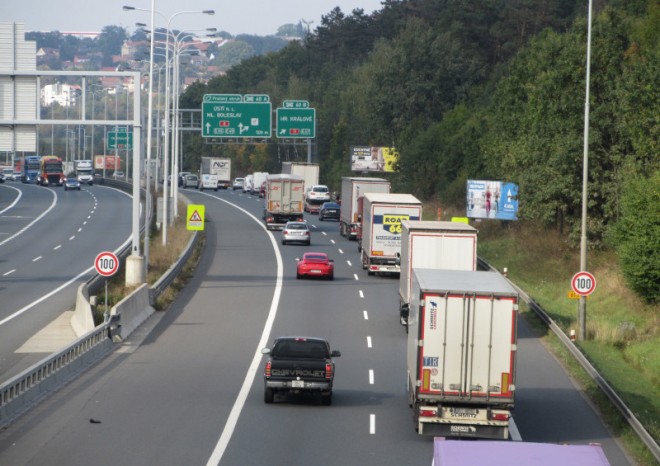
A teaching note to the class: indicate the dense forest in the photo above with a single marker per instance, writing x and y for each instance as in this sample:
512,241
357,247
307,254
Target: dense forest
486,89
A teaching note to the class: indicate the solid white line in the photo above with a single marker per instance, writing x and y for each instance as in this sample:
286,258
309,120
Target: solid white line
36,259
232,420
366,316
8,273
356,277
368,342
361,294
371,376
514,433
52,205
340,251
372,424
20,193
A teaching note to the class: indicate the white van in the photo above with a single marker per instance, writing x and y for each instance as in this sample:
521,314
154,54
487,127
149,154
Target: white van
248,184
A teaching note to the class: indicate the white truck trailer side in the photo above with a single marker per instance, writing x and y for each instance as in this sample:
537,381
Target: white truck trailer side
433,245
284,198
380,237
308,171
352,187
461,353
258,178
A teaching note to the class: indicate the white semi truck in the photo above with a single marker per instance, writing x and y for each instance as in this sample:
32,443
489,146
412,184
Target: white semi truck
308,171
379,237
214,170
352,188
461,353
84,171
433,245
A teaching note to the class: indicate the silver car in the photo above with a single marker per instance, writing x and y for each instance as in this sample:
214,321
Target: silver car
296,232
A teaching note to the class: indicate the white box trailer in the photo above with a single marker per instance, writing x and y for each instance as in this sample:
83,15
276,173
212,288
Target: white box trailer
433,245
308,171
284,198
379,238
352,187
214,170
258,178
461,353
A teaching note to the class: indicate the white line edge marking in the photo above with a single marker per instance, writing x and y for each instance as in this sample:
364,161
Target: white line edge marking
371,376
361,294
368,342
372,424
366,316
52,206
235,412
514,433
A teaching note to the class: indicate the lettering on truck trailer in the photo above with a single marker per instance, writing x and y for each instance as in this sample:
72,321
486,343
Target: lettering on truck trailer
392,223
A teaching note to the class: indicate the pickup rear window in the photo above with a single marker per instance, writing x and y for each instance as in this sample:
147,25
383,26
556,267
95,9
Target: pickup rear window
293,349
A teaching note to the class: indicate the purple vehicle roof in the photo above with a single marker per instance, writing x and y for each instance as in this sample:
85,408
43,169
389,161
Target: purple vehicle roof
495,453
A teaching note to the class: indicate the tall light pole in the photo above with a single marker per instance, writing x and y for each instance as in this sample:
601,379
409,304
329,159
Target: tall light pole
582,309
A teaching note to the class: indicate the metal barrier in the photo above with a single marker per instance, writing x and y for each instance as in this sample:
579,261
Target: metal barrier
586,365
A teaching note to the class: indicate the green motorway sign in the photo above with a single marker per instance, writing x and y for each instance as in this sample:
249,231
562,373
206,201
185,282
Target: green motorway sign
296,122
236,116
120,139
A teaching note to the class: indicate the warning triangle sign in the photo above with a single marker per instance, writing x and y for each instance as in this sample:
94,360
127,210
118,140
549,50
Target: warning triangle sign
195,217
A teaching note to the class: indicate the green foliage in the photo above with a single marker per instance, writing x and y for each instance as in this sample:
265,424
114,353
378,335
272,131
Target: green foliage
637,235
232,53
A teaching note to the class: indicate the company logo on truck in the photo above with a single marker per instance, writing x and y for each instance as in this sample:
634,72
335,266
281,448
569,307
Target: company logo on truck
297,373
392,222
433,315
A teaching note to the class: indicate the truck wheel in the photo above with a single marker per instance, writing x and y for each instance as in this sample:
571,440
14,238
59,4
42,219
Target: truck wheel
269,395
365,264
326,398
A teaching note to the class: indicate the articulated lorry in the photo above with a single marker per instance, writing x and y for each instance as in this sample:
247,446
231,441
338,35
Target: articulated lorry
308,171
284,197
352,188
433,245
51,171
84,171
214,173
461,353
379,236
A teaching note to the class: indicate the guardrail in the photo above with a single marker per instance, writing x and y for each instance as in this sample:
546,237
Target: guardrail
628,415
20,393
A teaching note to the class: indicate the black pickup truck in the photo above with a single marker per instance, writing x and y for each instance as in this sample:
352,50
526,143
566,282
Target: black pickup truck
299,365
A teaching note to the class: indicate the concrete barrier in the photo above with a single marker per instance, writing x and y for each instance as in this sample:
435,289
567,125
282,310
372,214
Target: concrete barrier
133,310
82,320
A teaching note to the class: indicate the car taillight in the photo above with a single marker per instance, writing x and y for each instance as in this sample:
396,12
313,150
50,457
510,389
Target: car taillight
285,232
328,371
269,365
306,233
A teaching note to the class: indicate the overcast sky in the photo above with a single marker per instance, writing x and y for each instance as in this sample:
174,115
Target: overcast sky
259,17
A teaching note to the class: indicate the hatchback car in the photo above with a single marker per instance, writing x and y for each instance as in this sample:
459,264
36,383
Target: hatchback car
315,264
296,232
71,182
190,181
319,192
329,210
238,183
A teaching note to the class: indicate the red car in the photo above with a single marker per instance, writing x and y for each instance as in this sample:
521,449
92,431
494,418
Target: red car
315,264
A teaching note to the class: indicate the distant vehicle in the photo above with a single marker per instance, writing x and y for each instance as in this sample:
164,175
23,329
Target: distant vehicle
31,166
51,171
352,189
329,210
258,179
16,176
247,184
296,232
8,173
319,192
262,190
191,181
181,178
118,175
84,171
71,182
315,264
313,206
299,365
2,178
238,183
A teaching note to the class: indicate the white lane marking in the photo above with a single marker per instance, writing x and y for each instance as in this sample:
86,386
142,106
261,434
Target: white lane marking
20,194
372,424
236,409
371,376
57,247
361,294
72,237
36,259
356,277
349,263
366,315
85,222
368,342
8,273
52,205
314,226
340,251
332,241
514,433
58,289
324,233
79,229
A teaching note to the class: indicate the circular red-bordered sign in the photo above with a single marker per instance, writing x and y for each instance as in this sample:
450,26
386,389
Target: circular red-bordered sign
106,263
583,283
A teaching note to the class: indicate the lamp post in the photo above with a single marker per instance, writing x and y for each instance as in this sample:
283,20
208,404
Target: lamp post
167,104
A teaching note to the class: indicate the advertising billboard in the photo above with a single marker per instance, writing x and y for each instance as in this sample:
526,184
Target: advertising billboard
373,159
112,162
492,199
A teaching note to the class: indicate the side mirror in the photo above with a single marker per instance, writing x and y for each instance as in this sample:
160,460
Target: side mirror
265,351
335,354
297,259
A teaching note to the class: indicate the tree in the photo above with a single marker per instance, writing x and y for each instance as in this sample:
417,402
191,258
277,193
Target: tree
110,42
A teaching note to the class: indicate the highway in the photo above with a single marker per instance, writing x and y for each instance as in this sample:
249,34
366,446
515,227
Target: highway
49,238
187,389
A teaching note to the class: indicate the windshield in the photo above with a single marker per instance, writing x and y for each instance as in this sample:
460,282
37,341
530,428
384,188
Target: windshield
307,349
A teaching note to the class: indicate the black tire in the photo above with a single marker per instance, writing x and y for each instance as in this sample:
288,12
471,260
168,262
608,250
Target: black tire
326,398
283,242
298,276
269,395
331,277
309,243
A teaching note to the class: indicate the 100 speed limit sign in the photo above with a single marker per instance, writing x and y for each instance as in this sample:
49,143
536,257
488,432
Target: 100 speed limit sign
583,283
106,264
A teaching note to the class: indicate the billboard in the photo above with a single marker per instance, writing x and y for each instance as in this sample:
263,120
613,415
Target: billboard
492,199
112,162
373,159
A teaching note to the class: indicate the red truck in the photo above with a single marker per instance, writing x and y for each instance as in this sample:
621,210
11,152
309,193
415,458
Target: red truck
51,171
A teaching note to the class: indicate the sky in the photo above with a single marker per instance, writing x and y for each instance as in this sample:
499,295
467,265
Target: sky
257,17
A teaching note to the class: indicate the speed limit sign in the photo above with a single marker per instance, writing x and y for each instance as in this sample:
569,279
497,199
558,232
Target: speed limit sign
106,263
583,283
